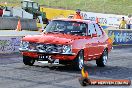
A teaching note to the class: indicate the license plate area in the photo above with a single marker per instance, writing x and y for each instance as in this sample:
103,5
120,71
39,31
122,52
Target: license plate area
43,58
47,59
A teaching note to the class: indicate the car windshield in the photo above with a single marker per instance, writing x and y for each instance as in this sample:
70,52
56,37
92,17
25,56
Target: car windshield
68,27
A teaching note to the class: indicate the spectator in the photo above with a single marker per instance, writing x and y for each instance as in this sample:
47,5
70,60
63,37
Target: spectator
122,23
77,15
129,22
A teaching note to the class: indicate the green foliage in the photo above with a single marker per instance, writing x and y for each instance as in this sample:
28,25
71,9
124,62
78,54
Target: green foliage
102,6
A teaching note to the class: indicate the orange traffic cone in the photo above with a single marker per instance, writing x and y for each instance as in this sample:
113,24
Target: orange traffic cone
84,73
97,20
18,26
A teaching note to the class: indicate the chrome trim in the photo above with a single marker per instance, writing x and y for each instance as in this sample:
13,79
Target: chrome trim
22,49
43,52
32,50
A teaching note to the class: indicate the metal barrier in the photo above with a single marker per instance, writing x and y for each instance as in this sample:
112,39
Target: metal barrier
11,23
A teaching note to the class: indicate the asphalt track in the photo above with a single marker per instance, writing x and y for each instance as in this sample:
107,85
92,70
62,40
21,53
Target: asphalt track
14,74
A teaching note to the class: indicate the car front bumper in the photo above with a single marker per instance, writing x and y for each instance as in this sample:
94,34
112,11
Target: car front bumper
47,53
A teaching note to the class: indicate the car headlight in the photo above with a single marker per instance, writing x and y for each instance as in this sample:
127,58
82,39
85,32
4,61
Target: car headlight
24,44
67,49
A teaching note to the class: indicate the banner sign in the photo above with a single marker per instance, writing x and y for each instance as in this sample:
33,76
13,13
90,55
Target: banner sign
104,19
9,44
120,37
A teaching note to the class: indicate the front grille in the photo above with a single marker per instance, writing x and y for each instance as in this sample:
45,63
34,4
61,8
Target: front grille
49,48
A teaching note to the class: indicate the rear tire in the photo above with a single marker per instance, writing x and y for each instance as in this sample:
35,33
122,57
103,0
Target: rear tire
28,61
79,61
101,62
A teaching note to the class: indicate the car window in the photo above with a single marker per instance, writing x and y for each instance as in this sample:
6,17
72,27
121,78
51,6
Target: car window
99,32
91,29
35,6
24,4
29,4
68,27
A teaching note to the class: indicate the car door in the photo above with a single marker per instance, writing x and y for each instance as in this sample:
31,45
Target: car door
100,39
92,46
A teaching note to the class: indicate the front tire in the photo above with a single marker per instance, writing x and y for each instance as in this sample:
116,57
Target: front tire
79,61
28,61
101,62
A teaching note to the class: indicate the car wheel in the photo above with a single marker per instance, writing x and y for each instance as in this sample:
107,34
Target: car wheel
28,61
79,61
101,62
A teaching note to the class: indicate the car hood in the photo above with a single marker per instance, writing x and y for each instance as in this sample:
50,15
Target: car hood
52,38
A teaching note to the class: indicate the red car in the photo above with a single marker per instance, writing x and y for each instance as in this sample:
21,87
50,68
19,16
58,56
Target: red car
70,41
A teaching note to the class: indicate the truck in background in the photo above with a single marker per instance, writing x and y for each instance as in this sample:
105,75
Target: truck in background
29,10
34,8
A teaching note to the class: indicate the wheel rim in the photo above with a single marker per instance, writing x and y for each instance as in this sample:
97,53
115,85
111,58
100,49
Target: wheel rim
81,62
105,57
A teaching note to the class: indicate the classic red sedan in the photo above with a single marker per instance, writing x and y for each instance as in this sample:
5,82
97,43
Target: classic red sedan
69,41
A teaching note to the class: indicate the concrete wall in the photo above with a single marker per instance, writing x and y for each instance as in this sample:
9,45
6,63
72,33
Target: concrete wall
10,40
11,23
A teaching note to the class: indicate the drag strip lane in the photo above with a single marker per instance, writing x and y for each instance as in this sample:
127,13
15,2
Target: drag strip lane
14,73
